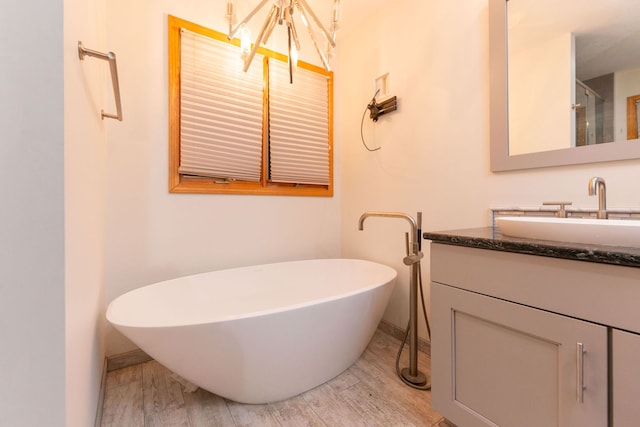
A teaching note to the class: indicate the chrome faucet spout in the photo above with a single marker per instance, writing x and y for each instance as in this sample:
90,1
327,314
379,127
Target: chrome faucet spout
414,237
597,186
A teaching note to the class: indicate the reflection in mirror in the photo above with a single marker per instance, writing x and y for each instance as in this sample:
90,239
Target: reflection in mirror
584,58
574,81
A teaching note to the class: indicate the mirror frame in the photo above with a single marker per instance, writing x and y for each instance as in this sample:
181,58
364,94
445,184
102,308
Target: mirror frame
499,123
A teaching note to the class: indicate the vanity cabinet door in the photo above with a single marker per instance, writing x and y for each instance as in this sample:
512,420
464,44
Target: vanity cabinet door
497,363
625,378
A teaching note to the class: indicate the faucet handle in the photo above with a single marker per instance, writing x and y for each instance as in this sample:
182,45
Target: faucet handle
561,213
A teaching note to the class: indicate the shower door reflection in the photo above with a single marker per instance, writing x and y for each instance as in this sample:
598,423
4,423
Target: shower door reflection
591,127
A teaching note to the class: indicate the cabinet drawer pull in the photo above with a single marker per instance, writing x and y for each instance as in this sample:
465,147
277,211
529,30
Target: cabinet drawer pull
580,351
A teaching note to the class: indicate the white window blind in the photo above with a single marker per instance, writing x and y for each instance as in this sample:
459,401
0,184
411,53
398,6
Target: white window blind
298,126
220,110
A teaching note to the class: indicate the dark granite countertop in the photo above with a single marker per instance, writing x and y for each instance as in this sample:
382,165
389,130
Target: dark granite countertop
491,238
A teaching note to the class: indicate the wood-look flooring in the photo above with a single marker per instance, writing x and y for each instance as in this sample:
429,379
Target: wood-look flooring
367,394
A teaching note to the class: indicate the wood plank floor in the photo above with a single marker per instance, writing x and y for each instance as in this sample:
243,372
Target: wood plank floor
367,394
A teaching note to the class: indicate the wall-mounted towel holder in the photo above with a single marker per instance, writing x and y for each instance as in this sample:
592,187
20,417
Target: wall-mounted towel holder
111,58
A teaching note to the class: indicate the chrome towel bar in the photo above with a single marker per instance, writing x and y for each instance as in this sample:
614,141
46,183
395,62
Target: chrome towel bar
111,58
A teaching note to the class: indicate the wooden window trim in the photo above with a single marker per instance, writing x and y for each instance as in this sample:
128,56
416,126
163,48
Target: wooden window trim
179,183
632,117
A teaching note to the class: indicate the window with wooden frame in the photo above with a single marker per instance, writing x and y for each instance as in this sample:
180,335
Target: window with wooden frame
232,132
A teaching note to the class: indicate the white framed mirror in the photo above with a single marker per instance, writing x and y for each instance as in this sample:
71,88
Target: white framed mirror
534,126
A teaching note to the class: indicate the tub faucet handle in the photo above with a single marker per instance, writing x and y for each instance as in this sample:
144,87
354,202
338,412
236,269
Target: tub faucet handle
413,258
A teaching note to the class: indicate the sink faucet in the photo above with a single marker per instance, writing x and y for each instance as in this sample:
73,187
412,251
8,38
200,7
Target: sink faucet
562,211
596,186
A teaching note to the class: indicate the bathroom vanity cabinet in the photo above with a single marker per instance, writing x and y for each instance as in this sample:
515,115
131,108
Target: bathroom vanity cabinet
625,378
525,334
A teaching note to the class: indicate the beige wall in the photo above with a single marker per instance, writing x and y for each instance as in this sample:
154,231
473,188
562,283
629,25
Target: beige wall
435,148
435,155
53,156
86,86
111,225
32,311
153,235
626,83
540,90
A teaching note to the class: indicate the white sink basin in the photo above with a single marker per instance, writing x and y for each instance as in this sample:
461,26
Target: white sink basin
610,232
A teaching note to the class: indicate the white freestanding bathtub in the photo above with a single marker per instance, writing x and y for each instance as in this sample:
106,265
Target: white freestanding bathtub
263,333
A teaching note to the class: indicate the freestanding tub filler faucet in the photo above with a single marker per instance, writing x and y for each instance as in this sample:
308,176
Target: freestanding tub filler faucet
411,375
597,186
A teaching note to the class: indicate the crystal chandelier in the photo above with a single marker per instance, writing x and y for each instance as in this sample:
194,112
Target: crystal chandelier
282,13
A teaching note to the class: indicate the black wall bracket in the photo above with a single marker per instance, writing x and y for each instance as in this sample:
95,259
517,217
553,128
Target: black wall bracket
378,109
